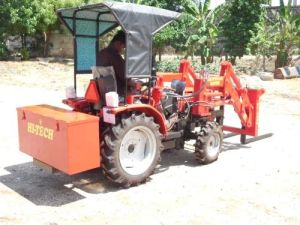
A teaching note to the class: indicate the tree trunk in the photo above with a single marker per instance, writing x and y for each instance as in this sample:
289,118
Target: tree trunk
264,62
154,59
232,59
203,61
210,59
159,55
23,40
282,59
46,44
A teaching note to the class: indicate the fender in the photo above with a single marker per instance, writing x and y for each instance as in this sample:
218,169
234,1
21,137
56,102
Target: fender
148,110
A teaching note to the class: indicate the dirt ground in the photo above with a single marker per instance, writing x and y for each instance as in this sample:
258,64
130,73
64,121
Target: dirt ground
257,183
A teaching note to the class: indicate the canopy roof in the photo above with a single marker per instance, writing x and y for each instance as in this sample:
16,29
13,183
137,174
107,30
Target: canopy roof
87,23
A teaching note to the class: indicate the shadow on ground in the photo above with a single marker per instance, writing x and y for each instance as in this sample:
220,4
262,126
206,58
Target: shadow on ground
43,188
229,146
186,157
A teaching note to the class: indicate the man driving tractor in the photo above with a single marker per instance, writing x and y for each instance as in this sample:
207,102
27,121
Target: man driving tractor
111,56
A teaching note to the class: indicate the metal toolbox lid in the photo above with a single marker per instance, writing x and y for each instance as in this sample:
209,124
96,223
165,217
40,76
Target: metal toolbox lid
59,114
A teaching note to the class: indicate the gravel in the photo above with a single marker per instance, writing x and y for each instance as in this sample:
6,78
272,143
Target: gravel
257,183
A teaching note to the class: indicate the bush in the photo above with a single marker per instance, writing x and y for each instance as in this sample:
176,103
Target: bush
172,65
3,51
169,65
210,67
24,53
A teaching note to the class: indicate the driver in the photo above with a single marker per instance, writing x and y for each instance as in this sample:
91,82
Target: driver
111,56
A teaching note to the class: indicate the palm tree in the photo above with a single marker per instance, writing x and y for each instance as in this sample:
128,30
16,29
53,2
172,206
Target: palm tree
203,31
287,33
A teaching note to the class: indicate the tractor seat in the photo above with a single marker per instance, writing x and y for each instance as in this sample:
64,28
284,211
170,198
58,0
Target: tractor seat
106,82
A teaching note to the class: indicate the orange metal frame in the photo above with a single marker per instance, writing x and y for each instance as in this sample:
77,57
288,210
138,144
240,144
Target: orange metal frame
216,91
221,90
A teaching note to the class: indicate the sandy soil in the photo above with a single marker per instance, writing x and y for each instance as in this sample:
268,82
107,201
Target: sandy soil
257,183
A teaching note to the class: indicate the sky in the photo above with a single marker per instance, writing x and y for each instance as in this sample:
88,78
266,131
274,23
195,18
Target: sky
215,3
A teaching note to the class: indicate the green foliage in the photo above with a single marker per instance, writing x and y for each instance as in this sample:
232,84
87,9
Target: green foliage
25,54
239,23
32,17
179,38
203,31
20,16
211,68
287,33
163,38
169,36
3,51
165,4
262,42
280,35
3,29
4,15
47,17
172,65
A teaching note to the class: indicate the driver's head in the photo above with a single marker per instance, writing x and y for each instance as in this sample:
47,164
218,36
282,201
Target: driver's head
119,41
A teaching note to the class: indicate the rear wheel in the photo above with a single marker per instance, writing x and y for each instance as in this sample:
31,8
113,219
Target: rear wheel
131,150
209,143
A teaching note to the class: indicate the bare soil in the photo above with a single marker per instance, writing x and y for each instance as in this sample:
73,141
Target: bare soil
257,183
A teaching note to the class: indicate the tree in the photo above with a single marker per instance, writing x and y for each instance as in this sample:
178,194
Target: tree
238,23
167,36
180,35
47,18
287,33
262,42
203,31
162,39
20,17
32,17
4,15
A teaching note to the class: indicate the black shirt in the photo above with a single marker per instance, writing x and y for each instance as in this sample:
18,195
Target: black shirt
110,57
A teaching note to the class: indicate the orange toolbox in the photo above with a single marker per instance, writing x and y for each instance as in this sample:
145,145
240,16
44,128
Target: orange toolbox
65,140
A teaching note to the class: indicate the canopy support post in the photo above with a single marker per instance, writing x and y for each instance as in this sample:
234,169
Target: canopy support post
75,50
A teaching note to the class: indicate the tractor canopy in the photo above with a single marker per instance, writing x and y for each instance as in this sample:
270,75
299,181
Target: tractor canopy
88,23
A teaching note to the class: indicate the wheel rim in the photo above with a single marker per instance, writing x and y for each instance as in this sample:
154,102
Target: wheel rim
213,145
137,150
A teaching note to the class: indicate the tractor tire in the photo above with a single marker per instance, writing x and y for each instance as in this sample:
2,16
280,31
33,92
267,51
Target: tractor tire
131,150
209,143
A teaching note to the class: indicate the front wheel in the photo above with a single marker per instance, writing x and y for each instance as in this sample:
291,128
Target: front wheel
131,150
209,143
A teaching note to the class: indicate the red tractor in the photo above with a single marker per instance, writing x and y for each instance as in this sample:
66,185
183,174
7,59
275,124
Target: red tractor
162,111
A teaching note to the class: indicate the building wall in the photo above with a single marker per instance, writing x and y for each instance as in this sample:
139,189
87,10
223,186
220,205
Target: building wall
61,44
